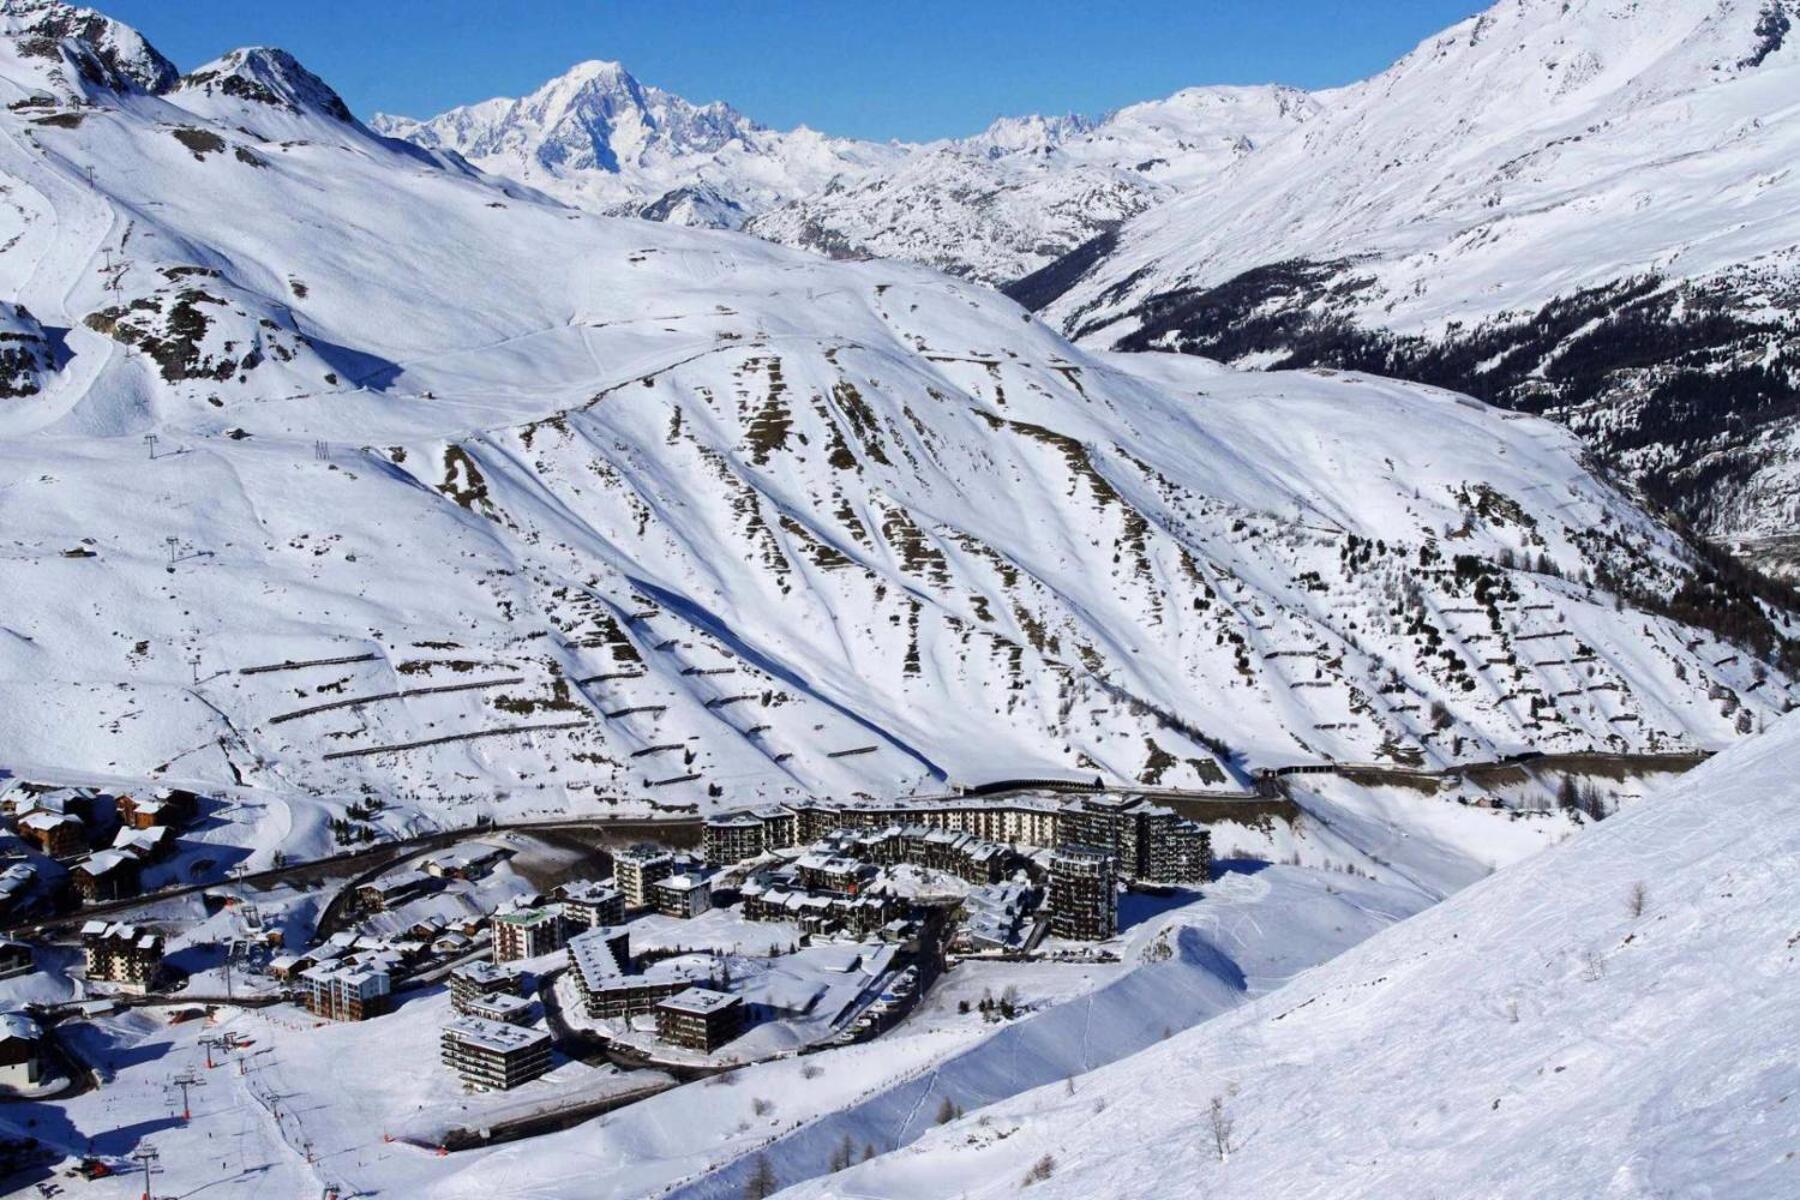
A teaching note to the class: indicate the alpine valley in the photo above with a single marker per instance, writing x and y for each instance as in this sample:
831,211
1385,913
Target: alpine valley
1376,477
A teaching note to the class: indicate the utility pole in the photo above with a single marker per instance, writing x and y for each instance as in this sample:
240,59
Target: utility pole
187,1082
173,543
147,1155
114,274
150,439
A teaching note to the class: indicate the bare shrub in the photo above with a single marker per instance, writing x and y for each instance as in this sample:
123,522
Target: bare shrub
1220,1124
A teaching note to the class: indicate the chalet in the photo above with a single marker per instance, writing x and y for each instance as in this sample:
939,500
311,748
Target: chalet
108,875
834,874
466,862
164,807
23,799
22,1060
122,954
151,844
378,895
700,1019
58,834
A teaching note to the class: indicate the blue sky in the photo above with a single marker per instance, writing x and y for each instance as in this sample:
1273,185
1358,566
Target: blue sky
914,69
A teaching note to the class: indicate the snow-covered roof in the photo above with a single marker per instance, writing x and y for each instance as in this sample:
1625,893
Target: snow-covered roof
18,1025
103,862
590,891
45,819
484,972
528,917
498,1006
700,1001
497,1036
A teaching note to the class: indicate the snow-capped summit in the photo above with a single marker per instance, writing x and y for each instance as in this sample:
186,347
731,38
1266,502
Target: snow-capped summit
1036,132
262,76
597,137
100,51
992,206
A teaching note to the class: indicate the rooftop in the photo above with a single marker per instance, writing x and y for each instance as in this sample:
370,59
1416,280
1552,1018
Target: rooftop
589,891
484,971
528,916
641,853
498,1007
700,1001
493,1035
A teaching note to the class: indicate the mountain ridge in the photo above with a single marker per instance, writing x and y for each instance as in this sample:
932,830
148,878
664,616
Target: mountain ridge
1577,210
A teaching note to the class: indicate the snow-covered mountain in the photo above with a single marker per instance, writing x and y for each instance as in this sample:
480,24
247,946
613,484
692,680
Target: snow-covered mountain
991,207
1579,207
464,495
597,138
1609,1018
1007,202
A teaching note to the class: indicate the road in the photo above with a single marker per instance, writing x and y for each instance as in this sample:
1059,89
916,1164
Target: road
365,863
1268,798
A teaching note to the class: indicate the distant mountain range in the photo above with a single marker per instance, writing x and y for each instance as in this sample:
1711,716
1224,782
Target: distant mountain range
1582,209
991,207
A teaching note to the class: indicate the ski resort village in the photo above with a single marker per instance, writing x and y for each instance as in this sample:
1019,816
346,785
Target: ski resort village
587,648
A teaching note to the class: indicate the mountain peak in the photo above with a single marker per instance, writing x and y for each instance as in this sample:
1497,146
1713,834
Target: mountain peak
268,76
104,53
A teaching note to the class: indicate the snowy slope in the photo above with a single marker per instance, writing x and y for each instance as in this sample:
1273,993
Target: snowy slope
1008,201
1531,1036
1585,207
598,138
604,509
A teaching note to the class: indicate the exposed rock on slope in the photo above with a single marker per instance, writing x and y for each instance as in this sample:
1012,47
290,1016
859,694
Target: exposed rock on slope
26,355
